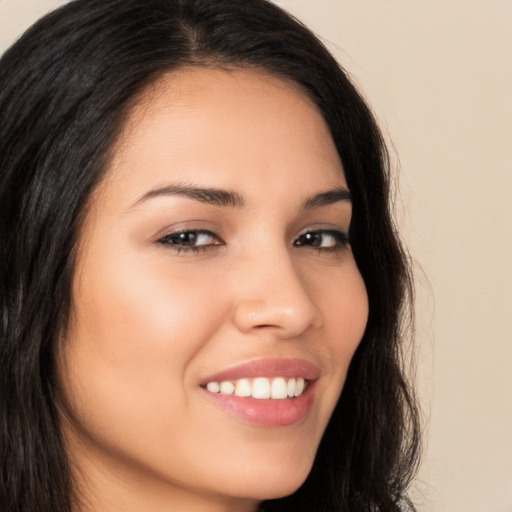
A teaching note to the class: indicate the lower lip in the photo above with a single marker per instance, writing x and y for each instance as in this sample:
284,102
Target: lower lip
268,413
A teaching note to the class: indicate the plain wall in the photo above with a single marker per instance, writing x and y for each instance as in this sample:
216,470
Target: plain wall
438,74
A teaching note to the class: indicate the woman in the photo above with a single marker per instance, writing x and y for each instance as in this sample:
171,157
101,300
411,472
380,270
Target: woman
197,260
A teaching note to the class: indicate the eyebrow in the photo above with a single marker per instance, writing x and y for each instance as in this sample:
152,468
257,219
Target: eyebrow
213,196
334,195
221,197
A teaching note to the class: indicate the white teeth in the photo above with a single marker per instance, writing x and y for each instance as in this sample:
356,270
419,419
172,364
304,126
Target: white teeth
260,388
243,388
299,386
213,387
290,388
227,388
279,390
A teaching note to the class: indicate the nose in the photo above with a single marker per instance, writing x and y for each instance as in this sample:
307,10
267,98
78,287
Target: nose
273,296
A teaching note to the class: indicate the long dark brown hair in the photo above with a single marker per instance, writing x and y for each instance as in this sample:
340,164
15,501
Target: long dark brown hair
65,88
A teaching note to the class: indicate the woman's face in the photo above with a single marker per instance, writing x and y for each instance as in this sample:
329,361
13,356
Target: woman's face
214,256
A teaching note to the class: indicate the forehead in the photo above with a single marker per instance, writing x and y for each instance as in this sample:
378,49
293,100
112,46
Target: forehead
219,124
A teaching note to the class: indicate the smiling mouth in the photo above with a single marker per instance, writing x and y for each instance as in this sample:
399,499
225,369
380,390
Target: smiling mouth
261,388
267,392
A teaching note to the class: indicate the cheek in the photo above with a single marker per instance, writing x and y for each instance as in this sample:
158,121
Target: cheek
344,302
352,318
352,309
134,329
140,311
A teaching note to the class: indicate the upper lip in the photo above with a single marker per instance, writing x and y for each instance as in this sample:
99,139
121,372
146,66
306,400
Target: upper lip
287,368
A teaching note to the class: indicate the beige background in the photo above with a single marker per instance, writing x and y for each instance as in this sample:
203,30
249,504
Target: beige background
439,76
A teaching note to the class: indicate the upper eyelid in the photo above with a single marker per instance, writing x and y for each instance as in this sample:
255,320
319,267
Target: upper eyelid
333,232
197,226
329,229
322,228
189,230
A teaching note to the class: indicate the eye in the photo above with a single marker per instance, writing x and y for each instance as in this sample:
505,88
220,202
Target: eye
190,240
323,240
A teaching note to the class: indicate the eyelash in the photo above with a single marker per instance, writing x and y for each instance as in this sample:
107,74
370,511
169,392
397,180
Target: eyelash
172,241
340,238
306,239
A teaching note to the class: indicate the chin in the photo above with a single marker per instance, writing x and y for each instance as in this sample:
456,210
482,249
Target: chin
277,490
271,482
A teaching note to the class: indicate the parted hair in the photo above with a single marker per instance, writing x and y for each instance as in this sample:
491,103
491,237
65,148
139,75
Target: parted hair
66,87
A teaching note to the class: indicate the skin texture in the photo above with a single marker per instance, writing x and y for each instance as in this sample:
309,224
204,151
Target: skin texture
150,323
